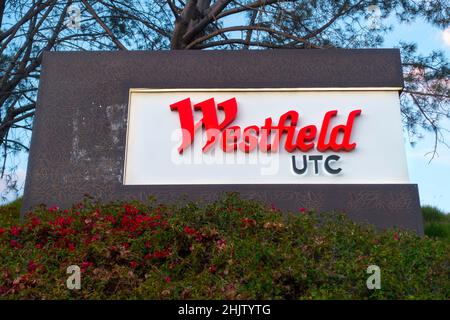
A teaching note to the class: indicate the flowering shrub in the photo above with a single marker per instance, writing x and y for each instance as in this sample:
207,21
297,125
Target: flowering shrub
436,223
230,249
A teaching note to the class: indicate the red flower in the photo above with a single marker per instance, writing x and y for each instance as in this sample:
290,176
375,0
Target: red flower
53,209
396,237
161,254
71,247
38,246
129,209
85,265
15,231
212,269
2,231
190,231
32,266
248,221
15,244
35,222
62,222
148,256
303,210
133,264
111,219
167,279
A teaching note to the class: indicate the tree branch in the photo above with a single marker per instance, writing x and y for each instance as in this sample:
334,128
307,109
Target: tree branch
241,28
148,24
433,125
341,11
5,141
427,94
212,15
250,6
104,26
175,10
248,36
240,41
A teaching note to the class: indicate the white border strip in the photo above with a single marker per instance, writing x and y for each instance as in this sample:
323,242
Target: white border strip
141,90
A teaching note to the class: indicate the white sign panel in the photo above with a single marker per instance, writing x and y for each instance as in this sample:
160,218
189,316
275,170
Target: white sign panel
264,136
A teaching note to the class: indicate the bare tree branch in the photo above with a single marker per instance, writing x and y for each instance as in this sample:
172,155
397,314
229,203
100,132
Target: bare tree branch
248,36
104,26
429,94
175,10
240,41
218,6
250,6
243,28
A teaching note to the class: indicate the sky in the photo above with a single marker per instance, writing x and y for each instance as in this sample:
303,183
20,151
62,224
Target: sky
433,178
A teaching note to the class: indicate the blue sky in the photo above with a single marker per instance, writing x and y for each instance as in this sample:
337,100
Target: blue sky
433,178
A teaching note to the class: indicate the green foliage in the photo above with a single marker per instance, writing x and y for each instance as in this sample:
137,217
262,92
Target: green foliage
229,249
10,213
436,223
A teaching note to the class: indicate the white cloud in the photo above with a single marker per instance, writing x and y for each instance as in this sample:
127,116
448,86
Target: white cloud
446,36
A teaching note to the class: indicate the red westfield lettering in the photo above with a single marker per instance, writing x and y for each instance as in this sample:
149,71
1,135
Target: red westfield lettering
266,137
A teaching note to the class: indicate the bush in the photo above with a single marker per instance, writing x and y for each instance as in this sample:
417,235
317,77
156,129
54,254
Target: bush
436,223
230,249
10,213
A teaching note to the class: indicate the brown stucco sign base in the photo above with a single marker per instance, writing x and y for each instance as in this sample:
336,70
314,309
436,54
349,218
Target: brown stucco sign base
78,142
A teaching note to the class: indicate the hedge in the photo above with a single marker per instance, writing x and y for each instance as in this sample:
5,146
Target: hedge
229,249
